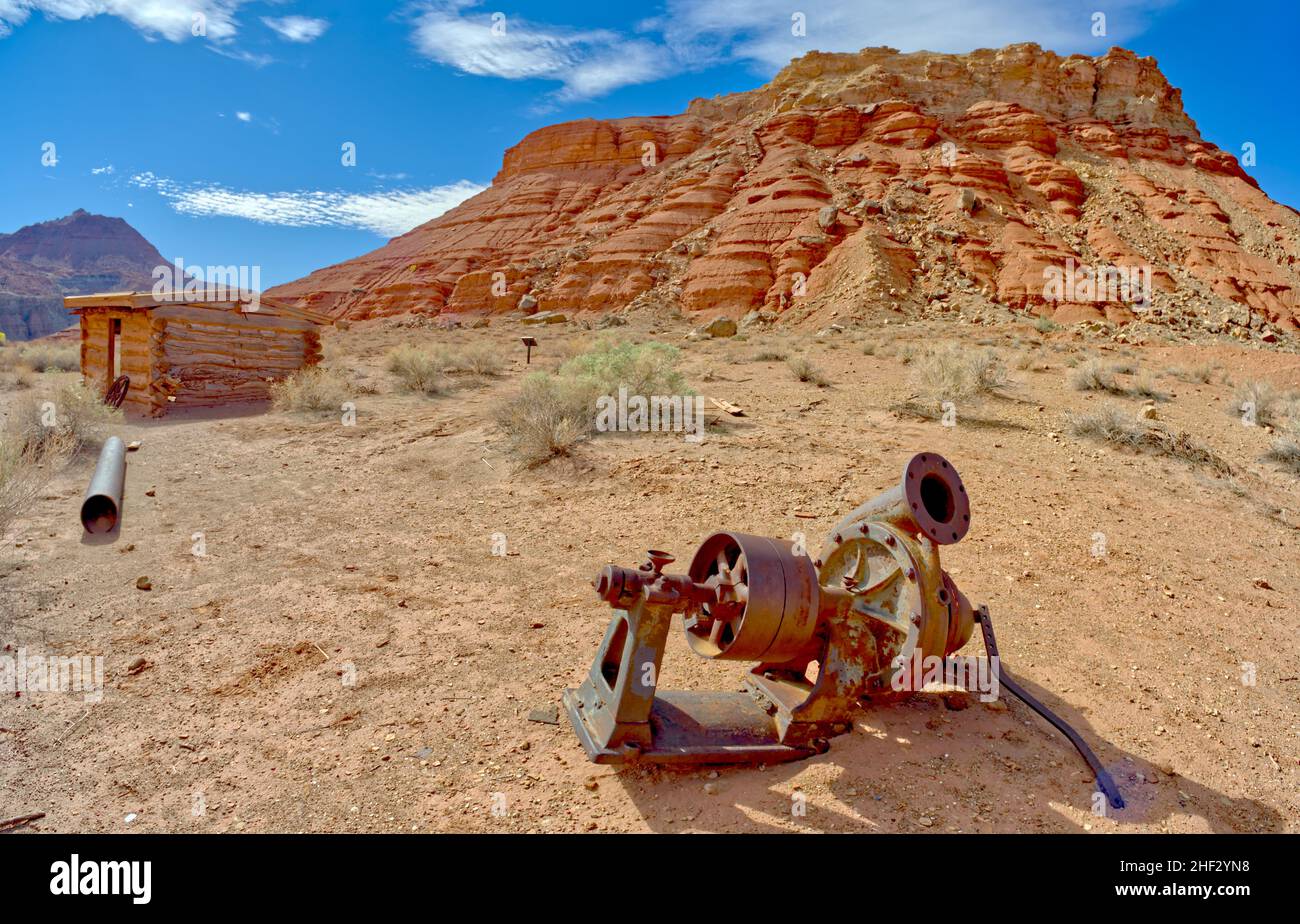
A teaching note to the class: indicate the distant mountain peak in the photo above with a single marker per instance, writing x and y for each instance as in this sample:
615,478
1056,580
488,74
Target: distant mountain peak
77,254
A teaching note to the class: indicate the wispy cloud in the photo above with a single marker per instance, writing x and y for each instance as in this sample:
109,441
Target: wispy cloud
694,34
385,212
174,20
587,63
763,31
297,28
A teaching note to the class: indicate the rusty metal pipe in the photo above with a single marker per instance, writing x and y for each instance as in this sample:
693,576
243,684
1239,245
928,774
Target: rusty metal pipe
102,504
929,500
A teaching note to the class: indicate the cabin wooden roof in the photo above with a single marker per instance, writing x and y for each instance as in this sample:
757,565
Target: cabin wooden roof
146,300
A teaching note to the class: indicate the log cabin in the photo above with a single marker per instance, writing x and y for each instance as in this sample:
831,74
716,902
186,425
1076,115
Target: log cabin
191,354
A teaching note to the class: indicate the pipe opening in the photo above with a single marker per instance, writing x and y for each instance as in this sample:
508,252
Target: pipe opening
99,514
937,499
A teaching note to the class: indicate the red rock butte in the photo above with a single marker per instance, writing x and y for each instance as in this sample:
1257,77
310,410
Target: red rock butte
856,183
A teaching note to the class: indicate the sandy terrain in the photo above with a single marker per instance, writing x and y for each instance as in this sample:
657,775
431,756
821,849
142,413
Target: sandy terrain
338,553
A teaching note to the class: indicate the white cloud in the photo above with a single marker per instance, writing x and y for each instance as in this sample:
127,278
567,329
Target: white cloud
244,116
694,34
760,30
297,28
385,212
588,63
173,20
100,171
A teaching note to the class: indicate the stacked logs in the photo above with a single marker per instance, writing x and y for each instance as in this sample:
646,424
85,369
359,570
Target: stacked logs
206,357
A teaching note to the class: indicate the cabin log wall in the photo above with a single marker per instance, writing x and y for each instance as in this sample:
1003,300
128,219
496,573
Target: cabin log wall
207,358
190,355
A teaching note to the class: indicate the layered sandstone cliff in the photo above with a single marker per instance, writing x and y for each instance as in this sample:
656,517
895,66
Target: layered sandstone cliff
855,183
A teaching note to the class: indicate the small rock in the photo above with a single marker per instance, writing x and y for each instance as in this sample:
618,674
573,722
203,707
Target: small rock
143,583
547,715
591,784
967,201
710,789
528,303
925,822
546,317
1149,412
136,666
721,327
828,217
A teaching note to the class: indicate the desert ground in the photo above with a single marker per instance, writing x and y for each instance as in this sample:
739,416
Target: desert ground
350,655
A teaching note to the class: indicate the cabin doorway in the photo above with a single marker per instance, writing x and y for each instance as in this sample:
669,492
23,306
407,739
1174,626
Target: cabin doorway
114,351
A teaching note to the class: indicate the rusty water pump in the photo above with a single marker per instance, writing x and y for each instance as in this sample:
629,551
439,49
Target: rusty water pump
875,599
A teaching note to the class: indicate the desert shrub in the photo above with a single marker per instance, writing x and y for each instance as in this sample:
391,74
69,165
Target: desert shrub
553,412
1267,403
805,370
549,416
769,355
316,389
75,418
1045,325
419,371
951,372
642,368
44,357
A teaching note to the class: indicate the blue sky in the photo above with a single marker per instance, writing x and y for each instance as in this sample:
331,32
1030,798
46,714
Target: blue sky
226,148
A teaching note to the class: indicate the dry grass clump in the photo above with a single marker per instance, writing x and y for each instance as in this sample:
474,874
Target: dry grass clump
314,390
1119,428
17,377
769,355
40,435
553,412
805,370
478,359
44,357
75,418
1259,402
1286,448
419,371
1144,387
951,373
1197,375
1093,376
